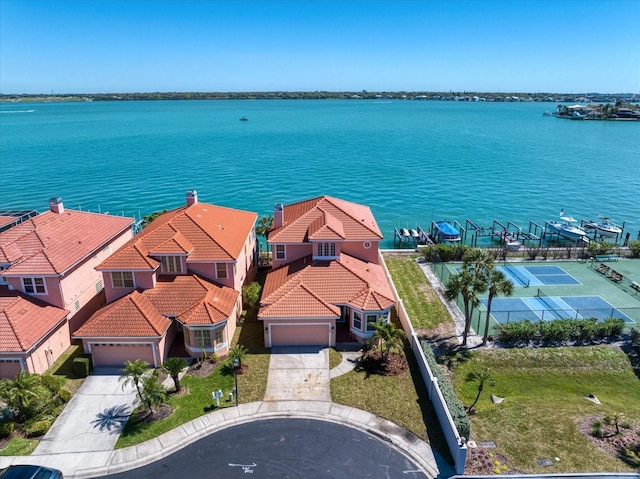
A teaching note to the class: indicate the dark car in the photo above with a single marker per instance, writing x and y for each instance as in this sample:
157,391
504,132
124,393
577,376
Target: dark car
30,472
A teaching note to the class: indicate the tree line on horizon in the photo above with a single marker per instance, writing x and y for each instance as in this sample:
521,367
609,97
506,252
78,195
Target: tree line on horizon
321,95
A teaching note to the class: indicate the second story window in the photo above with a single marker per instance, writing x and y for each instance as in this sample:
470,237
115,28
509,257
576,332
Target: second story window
122,279
326,249
280,252
34,285
221,270
171,264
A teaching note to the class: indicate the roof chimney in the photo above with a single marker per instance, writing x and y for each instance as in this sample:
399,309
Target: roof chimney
55,205
192,197
278,215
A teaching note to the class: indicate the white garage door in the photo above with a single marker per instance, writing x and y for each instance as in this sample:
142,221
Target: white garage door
111,354
300,335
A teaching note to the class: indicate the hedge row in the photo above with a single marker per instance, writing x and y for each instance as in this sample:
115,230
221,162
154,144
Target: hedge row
559,330
456,409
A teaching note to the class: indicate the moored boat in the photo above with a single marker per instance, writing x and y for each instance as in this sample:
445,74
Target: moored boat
446,232
604,227
567,228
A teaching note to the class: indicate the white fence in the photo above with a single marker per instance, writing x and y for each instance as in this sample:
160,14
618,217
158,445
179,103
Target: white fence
457,445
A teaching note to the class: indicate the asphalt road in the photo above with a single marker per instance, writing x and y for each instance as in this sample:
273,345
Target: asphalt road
283,449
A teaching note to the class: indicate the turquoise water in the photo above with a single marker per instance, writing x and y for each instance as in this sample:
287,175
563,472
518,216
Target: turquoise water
411,161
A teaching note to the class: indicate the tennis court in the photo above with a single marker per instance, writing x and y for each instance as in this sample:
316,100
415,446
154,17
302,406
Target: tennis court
538,275
564,289
547,308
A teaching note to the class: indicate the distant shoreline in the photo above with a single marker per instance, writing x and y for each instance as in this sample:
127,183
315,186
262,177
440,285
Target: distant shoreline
362,95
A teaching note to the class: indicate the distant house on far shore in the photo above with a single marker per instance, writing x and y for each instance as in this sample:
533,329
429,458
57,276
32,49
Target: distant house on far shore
49,285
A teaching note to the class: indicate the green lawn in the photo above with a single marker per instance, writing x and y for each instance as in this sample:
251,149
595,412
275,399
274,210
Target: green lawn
401,399
545,392
251,387
420,300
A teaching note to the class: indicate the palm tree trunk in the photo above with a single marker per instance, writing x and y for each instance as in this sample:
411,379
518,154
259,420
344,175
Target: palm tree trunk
485,336
480,388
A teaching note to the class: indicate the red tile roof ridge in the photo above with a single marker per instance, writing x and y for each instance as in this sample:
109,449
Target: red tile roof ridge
332,309
178,240
326,221
138,299
339,204
199,226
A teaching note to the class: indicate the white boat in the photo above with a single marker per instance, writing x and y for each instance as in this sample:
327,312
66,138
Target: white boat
605,227
567,228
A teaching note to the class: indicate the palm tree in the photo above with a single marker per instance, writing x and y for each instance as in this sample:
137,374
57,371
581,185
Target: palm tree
265,223
388,337
238,352
498,284
617,419
173,367
153,393
465,284
132,373
482,377
469,283
22,391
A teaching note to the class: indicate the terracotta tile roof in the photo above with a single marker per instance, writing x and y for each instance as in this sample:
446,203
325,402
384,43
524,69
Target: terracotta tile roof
25,320
7,220
326,217
178,244
191,299
131,316
206,232
346,280
51,243
300,298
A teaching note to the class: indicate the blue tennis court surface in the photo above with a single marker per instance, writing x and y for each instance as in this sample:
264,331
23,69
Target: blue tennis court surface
548,308
542,275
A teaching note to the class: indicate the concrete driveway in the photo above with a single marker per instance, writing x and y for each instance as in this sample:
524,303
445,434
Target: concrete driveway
298,373
90,424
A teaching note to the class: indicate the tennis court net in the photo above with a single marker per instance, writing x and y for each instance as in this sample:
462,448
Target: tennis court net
514,271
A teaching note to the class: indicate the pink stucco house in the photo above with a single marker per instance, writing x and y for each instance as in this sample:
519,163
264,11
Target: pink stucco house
49,283
178,283
326,282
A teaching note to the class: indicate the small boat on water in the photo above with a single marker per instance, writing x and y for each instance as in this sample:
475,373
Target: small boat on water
446,232
244,118
567,228
604,227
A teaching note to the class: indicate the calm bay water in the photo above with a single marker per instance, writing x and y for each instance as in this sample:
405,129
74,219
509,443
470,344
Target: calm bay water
410,161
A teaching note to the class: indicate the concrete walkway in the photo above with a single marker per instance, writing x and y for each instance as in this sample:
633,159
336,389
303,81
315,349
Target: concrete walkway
88,428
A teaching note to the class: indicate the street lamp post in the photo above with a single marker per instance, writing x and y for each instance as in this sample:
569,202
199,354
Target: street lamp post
236,364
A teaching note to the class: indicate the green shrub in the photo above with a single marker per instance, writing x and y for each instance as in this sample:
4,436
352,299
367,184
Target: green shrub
559,330
64,395
213,358
6,428
444,253
634,336
634,247
82,365
38,426
456,409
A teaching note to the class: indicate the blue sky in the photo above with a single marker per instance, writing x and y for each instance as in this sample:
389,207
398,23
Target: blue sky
145,46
